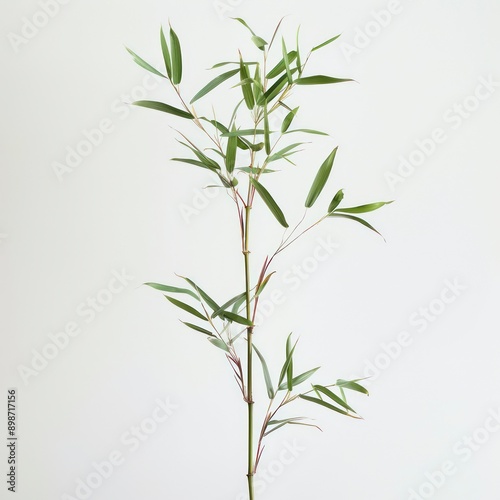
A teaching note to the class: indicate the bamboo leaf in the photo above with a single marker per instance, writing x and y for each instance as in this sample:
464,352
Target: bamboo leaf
267,376
176,58
284,152
306,131
219,65
289,370
352,385
194,162
357,219
219,343
236,318
265,281
208,162
143,64
198,329
281,66
327,392
299,379
299,63
186,307
324,43
320,179
166,53
254,170
370,207
289,421
288,360
321,80
326,405
288,120
232,147
286,61
258,89
241,133
229,303
172,289
214,84
259,42
209,301
246,87
276,88
244,24
269,201
336,200
166,108
267,133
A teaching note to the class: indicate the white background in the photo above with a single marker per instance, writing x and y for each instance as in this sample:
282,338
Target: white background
120,210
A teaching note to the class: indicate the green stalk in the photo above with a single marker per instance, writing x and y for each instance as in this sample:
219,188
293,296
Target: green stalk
249,395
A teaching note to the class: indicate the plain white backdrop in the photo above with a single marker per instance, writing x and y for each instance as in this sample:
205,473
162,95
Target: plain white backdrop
418,313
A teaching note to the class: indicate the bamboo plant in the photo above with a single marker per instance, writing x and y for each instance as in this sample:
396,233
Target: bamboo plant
240,153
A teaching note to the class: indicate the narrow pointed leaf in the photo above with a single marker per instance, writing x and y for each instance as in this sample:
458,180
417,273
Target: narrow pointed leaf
214,83
232,147
269,201
325,43
280,67
258,90
267,376
259,42
208,162
236,318
326,405
242,133
246,87
370,207
300,378
219,343
143,64
289,370
321,80
219,65
336,200
175,47
244,24
284,152
198,329
166,53
172,289
166,108
299,62
186,307
286,61
288,120
267,134
307,131
327,392
357,219
209,301
194,162
229,303
352,385
320,179
288,361
264,283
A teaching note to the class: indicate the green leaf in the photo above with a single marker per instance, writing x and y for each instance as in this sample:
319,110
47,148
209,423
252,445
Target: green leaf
198,329
336,200
209,301
269,201
166,108
143,64
289,370
267,376
299,63
357,219
219,343
284,152
236,318
321,80
300,378
254,170
267,133
288,361
325,43
306,131
232,147
259,42
229,303
281,66
241,133
352,385
219,65
288,120
276,88
326,405
172,289
186,307
320,179
258,89
328,393
176,58
214,83
194,162
286,61
166,53
246,87
280,423
244,24
262,286
208,162
364,208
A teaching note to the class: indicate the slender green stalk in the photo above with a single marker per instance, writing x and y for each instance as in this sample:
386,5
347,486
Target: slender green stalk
249,395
